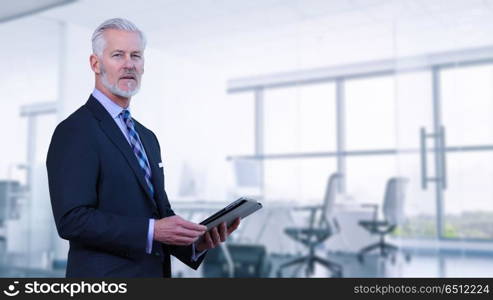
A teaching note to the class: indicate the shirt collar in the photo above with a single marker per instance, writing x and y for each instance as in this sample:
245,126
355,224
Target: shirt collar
113,109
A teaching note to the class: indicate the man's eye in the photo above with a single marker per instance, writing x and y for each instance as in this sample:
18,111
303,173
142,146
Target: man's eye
136,55
117,55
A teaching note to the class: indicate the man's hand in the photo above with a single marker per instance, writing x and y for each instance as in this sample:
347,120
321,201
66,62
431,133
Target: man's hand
216,236
177,231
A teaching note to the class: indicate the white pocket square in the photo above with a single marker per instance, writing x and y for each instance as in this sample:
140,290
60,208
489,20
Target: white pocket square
160,164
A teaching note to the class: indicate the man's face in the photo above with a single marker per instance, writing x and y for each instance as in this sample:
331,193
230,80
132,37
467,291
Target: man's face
122,62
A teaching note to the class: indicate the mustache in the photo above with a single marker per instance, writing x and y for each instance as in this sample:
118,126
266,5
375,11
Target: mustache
132,75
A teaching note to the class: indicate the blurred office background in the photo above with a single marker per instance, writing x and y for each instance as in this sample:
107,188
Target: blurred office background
375,115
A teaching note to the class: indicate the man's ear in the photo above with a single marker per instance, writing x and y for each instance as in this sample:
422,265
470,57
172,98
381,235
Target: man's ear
94,61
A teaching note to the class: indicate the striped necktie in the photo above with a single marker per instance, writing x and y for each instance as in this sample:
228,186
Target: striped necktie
138,149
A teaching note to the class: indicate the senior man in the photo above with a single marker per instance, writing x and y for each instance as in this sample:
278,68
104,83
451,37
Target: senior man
106,176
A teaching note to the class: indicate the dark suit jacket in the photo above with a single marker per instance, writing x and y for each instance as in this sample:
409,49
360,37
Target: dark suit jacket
100,200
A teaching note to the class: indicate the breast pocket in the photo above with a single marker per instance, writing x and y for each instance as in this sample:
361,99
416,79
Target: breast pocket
158,174
160,167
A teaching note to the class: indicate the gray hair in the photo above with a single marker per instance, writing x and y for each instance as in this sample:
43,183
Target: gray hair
98,42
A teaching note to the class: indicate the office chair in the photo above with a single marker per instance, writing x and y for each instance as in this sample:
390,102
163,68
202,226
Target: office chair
393,211
321,226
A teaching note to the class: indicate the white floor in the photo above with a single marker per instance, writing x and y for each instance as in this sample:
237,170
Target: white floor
420,265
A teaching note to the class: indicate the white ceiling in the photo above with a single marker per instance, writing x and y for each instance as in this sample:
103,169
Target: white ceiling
209,24
16,9
202,18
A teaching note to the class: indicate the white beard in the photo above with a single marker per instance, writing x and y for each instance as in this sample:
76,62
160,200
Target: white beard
114,89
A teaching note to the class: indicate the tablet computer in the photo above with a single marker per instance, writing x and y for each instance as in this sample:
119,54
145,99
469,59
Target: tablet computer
242,208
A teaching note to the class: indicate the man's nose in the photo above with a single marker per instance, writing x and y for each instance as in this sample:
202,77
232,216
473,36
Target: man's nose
129,63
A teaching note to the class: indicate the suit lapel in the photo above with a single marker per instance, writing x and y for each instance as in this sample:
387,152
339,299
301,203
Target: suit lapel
114,133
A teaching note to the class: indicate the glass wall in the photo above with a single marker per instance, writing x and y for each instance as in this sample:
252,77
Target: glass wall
431,126
414,115
299,120
370,113
467,109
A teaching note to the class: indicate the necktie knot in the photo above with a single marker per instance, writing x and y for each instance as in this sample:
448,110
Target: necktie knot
125,114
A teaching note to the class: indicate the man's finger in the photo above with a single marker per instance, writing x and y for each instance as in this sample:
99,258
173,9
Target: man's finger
223,232
189,233
184,241
208,240
234,226
215,236
193,226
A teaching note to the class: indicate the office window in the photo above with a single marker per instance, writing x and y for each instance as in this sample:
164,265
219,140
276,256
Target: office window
414,107
467,104
469,196
297,180
367,175
420,205
240,122
370,113
300,119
